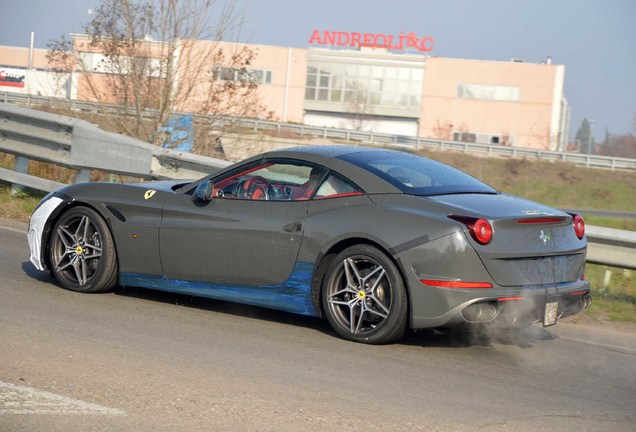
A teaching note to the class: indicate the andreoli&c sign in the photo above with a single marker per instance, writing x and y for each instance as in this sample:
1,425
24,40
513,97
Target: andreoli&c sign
373,40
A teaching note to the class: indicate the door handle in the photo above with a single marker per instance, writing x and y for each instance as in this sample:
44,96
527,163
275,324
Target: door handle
293,227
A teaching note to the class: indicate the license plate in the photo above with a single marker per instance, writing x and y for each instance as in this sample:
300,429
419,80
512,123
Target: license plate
551,312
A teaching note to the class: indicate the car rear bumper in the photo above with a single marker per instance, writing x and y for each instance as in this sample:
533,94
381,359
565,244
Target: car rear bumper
505,307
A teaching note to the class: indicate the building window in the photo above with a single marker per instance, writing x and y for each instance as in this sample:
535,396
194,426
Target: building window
485,138
257,76
387,86
487,92
122,65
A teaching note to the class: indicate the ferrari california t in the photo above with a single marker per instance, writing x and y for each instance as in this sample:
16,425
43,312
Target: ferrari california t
377,241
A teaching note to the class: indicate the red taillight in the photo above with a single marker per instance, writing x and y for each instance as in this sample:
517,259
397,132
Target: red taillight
483,231
479,228
579,226
455,284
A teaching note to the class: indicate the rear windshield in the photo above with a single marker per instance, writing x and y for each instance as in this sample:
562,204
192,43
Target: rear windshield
417,175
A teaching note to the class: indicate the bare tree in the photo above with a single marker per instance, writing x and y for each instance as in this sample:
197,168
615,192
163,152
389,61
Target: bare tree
443,130
150,58
542,136
359,106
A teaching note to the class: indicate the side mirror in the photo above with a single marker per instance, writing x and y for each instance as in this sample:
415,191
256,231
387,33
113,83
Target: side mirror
204,191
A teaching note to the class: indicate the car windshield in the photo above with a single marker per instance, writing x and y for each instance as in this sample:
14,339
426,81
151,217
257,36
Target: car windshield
417,175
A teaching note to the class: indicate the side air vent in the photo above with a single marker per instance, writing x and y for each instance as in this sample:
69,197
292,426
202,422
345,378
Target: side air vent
116,213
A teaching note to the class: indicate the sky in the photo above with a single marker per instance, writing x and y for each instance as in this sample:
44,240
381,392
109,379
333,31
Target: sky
594,39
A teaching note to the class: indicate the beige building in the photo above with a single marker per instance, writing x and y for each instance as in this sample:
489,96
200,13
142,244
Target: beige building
509,103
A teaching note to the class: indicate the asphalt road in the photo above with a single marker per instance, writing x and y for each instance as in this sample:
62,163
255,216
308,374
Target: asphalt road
136,360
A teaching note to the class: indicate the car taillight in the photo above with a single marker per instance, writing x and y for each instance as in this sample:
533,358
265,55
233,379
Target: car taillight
479,228
579,226
455,284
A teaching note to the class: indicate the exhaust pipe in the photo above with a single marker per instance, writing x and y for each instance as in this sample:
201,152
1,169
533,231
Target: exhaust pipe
480,312
585,301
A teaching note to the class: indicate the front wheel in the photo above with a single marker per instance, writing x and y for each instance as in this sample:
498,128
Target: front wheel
82,252
364,296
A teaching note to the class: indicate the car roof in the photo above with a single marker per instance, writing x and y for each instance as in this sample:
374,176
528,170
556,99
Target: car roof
331,156
329,151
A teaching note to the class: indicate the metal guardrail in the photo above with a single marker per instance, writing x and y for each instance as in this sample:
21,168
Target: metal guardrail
34,135
611,247
77,144
351,136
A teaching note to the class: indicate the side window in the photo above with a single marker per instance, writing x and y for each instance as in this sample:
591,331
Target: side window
273,180
336,186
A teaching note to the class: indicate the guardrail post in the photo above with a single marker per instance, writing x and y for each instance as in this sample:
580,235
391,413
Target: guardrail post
22,166
83,176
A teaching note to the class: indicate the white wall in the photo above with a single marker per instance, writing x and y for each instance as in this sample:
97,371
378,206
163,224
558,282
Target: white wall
39,83
406,127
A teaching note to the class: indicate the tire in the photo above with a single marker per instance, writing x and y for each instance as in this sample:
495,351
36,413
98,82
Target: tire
82,252
364,297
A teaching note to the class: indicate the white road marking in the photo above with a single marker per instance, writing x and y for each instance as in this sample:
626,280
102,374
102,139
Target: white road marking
19,231
16,399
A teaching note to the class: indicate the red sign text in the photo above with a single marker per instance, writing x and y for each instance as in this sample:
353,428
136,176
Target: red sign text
373,40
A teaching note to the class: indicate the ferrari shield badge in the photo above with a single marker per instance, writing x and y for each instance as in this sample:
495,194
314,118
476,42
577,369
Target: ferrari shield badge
149,193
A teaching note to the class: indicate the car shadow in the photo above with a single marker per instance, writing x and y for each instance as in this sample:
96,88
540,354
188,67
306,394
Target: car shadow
462,338
225,307
424,338
29,269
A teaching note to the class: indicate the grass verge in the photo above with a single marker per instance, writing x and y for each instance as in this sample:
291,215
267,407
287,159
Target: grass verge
19,206
613,294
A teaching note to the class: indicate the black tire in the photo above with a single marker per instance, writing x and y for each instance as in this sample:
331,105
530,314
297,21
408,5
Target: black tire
82,252
364,297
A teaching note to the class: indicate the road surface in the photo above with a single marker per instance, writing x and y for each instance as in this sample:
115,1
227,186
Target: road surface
138,360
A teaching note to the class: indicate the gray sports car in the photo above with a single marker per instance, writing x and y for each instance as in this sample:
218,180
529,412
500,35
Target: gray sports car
374,240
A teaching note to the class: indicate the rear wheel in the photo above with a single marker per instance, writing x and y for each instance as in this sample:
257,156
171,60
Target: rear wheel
364,296
82,252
